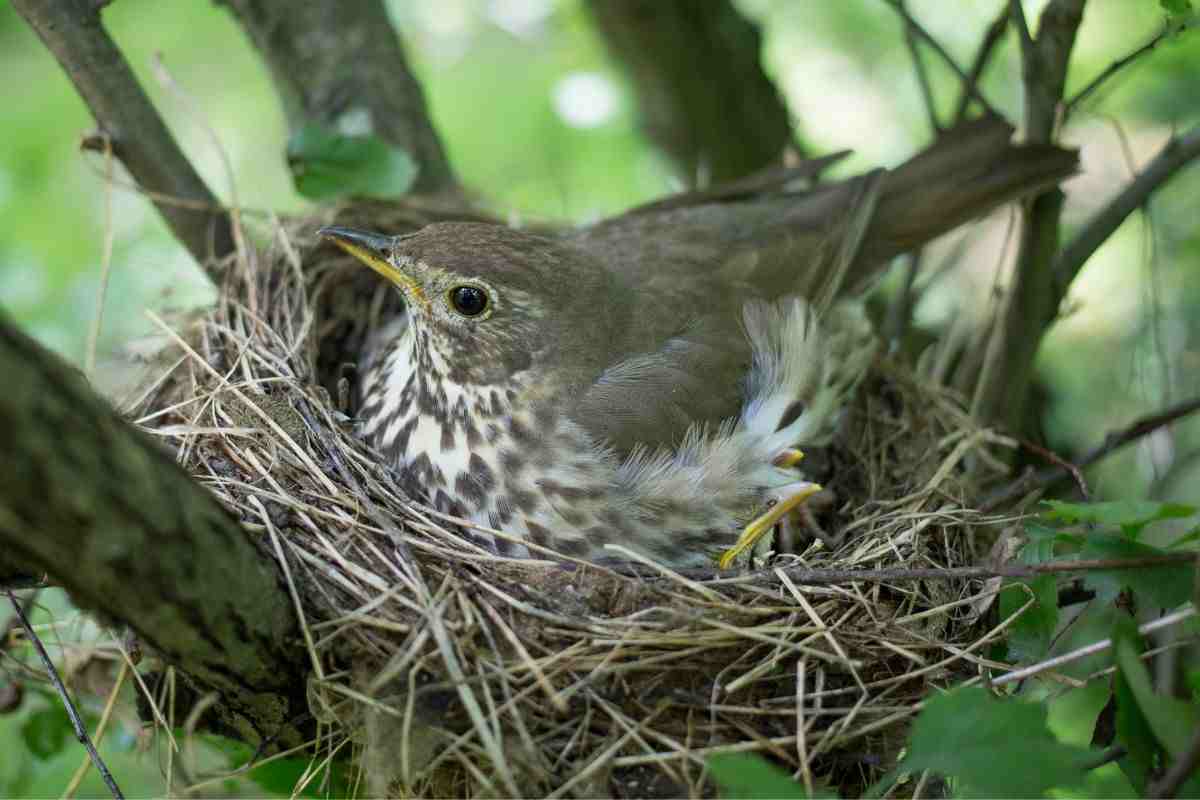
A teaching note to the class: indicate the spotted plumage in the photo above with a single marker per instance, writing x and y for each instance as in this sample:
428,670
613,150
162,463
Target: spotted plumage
562,424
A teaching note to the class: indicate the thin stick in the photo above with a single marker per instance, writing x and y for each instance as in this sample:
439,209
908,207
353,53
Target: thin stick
80,731
1112,442
105,262
910,40
1091,649
1116,66
983,56
101,726
968,85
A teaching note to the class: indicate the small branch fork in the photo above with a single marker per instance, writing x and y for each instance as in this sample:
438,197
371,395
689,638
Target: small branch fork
1112,442
76,721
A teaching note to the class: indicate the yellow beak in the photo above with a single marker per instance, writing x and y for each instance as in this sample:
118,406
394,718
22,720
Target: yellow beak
373,250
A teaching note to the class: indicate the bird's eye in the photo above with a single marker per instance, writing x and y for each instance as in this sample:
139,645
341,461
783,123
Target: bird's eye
470,301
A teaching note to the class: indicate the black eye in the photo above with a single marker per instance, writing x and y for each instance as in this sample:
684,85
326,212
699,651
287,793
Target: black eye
470,301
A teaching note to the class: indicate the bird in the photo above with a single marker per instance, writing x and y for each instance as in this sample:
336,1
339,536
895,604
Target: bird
648,384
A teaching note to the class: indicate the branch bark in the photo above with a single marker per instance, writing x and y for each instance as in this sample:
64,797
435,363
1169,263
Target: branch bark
1175,155
701,91
110,516
72,31
1030,306
340,62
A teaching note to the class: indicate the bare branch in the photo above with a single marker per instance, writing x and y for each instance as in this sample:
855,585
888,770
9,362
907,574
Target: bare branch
968,85
1118,65
1112,442
117,522
340,64
914,53
702,93
1029,304
1174,156
72,31
983,57
76,721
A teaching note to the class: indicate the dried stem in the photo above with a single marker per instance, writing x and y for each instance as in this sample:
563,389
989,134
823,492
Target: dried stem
72,31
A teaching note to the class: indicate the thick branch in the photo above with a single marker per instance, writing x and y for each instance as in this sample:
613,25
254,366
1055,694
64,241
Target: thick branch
340,64
701,91
72,31
1176,154
110,516
1030,304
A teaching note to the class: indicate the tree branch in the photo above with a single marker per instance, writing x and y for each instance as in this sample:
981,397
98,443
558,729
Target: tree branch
1175,155
72,31
113,519
1112,442
968,85
983,57
340,64
1118,65
1029,305
702,94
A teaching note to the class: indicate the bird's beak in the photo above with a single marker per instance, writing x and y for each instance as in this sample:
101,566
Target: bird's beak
373,250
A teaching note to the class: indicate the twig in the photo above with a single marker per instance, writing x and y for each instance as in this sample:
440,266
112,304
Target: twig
1091,649
983,57
72,31
1175,155
1112,442
1083,94
1180,769
1108,756
916,27
1055,458
819,577
105,261
910,40
80,730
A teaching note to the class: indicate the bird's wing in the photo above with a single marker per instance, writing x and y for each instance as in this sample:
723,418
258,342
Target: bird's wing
651,398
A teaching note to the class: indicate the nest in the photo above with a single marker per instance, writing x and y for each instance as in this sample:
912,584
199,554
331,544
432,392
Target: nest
448,671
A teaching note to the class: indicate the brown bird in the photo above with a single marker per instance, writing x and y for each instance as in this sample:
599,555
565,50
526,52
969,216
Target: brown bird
648,381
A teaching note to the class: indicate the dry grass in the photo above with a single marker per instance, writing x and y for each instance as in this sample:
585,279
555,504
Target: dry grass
453,672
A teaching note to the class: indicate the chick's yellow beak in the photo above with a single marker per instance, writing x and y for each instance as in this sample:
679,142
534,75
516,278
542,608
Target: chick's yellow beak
373,249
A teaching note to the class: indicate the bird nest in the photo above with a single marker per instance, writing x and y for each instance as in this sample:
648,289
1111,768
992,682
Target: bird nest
449,671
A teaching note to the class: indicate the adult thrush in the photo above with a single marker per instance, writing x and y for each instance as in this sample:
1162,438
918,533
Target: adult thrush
649,381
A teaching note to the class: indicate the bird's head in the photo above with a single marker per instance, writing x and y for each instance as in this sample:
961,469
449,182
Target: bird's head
489,302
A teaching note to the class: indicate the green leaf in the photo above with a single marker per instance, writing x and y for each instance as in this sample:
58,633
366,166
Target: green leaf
1131,515
326,164
1176,8
46,732
1030,636
1163,586
996,748
745,776
1133,730
1171,720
